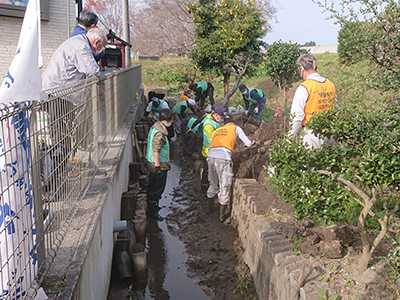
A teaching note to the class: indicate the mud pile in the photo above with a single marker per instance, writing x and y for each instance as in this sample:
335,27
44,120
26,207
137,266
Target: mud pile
250,162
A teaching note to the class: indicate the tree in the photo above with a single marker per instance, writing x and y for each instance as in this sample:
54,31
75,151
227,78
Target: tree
161,27
238,67
281,66
223,31
350,52
109,13
156,27
378,37
309,44
356,180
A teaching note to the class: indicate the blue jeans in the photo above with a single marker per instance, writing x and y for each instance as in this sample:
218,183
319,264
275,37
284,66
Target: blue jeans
260,106
156,187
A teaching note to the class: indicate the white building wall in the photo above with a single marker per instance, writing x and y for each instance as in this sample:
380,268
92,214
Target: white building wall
61,22
321,49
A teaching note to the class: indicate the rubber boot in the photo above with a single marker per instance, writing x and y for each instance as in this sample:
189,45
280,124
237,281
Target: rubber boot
153,211
211,206
223,212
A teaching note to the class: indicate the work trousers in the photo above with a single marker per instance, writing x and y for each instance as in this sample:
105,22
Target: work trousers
188,139
156,187
177,123
260,107
207,93
220,175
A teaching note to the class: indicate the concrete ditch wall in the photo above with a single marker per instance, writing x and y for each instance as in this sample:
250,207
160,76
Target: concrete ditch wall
82,267
275,268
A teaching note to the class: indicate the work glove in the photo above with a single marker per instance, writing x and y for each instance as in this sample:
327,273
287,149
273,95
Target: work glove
159,174
246,112
256,110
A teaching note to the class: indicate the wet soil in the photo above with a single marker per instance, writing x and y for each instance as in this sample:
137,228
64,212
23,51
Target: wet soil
191,254
215,252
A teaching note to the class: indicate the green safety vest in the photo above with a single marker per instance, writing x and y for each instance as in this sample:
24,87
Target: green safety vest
177,108
248,98
191,122
215,124
203,85
159,108
164,152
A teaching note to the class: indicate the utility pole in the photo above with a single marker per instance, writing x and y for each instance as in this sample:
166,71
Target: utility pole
125,20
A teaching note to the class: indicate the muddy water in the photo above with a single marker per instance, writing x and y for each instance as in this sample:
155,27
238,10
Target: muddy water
167,257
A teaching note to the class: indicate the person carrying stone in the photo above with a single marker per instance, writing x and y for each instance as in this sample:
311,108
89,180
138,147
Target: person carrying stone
155,106
180,111
220,166
314,95
203,89
158,161
256,98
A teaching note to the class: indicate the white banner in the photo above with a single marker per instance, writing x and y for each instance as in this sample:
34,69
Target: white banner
22,83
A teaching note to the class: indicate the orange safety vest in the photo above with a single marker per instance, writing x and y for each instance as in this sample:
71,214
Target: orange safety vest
184,98
224,136
321,96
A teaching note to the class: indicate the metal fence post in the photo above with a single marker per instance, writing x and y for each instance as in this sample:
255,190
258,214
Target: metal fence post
36,186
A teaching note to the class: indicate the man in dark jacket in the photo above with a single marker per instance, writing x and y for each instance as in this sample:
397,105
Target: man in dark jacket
257,99
87,20
158,161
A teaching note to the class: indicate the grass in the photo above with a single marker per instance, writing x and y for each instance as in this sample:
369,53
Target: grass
175,73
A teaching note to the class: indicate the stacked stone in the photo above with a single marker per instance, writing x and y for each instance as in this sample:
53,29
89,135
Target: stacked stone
276,269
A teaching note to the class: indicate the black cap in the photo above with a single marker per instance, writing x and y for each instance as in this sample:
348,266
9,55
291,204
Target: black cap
242,87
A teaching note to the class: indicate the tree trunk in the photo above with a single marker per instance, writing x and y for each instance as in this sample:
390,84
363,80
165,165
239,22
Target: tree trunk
226,83
225,102
365,258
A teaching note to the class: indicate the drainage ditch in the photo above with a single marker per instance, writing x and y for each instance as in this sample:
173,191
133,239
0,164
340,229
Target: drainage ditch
189,255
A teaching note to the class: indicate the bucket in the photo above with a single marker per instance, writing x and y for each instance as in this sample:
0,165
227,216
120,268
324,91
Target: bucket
139,258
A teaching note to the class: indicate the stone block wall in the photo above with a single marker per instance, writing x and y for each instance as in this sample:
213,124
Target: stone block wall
275,268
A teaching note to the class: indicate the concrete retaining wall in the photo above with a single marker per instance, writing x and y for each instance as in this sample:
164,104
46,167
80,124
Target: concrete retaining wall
275,268
83,263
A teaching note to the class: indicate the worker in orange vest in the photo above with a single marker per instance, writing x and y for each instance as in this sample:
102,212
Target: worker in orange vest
220,166
313,95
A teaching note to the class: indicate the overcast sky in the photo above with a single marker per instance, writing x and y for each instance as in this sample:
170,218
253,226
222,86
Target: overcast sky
302,21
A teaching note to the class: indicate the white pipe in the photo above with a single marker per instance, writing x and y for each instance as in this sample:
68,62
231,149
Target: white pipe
120,226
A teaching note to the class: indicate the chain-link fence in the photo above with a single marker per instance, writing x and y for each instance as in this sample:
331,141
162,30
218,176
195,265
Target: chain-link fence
49,153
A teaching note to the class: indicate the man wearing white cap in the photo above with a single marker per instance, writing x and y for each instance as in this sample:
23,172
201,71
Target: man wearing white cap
180,111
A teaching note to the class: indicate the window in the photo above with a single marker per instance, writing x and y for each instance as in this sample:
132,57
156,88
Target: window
16,8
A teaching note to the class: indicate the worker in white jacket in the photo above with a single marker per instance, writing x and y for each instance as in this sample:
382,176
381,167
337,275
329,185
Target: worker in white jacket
220,166
313,95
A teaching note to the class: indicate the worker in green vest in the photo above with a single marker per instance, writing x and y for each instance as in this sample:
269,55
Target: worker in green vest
158,161
180,111
155,106
256,98
203,89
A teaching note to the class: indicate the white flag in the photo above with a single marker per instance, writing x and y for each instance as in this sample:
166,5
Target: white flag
22,83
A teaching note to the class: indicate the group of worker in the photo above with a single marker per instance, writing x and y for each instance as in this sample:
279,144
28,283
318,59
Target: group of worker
212,137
